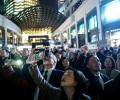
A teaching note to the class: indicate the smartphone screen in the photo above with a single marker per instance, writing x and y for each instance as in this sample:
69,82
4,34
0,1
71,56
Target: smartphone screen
37,57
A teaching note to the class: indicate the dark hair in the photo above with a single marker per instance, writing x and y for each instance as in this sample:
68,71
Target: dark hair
82,83
112,60
87,59
107,52
56,51
64,58
63,50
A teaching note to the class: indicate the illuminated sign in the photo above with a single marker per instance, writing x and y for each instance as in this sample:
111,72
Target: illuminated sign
111,12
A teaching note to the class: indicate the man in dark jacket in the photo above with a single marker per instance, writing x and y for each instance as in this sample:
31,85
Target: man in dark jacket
96,79
52,75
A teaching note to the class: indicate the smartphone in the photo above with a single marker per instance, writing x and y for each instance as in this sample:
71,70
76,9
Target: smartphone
37,56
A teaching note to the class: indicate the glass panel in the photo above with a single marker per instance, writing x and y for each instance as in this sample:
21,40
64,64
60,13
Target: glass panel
81,28
73,37
73,33
9,38
81,39
92,22
94,38
110,12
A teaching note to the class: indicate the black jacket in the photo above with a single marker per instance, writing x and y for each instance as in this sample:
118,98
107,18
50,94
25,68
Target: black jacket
95,89
51,92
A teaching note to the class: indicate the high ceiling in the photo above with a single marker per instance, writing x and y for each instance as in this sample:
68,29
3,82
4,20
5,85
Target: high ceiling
38,17
33,14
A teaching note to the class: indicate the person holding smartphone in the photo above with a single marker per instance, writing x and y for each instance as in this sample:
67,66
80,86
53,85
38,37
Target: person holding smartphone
73,84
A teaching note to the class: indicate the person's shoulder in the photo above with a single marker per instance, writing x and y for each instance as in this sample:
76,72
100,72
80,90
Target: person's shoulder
58,71
104,77
87,73
86,97
103,72
115,71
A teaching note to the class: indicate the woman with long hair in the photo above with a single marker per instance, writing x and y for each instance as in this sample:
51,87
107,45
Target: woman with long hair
110,68
73,85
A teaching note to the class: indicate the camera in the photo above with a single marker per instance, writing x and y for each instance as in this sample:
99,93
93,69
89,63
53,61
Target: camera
38,50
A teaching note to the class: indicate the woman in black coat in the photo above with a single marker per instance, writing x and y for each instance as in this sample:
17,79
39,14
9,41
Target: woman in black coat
73,85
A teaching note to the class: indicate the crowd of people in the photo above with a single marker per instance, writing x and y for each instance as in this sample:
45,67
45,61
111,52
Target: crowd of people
60,74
